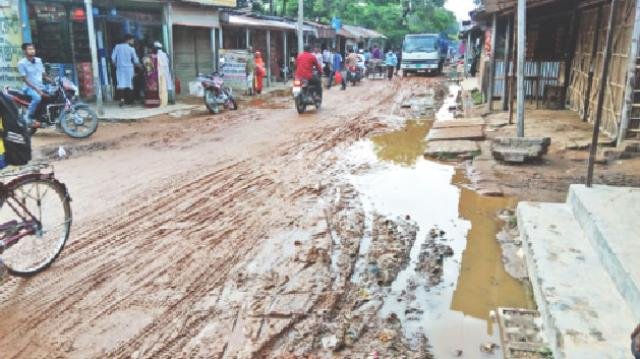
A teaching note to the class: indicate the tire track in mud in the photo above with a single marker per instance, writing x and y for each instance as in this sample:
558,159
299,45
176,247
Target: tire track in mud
147,282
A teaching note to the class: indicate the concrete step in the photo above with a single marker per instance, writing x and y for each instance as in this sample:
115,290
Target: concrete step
610,217
583,314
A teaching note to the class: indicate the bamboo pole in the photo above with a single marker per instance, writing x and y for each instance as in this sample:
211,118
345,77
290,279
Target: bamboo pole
594,54
522,44
631,78
603,86
507,65
492,63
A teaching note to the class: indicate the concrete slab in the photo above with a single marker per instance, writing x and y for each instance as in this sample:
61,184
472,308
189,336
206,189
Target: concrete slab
519,150
609,217
467,122
113,113
584,316
456,133
451,149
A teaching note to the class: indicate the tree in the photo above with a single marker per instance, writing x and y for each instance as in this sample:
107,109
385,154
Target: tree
393,18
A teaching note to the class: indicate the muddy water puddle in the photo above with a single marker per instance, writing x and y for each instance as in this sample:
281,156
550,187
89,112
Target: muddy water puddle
451,301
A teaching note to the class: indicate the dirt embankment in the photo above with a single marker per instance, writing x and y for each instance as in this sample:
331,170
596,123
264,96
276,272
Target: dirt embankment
221,236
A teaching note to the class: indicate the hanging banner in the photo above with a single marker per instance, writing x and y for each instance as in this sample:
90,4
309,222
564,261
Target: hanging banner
10,42
234,68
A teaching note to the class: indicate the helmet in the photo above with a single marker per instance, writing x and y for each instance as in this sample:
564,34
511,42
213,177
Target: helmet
157,45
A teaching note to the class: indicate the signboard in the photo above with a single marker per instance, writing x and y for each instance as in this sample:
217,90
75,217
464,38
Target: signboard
235,62
225,3
10,42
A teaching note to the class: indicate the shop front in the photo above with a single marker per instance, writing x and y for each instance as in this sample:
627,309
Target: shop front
59,31
195,30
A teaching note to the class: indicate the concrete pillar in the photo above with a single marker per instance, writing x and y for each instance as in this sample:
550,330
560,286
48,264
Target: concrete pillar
94,56
248,38
268,53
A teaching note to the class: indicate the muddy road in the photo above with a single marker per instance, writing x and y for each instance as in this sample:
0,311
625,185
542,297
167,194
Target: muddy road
235,236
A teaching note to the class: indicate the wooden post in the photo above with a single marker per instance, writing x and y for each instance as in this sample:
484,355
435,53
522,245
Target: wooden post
631,78
468,54
285,58
507,65
522,44
604,79
268,58
492,63
573,37
594,54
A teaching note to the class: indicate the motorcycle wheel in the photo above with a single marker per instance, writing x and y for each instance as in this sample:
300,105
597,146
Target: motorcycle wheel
32,131
210,102
78,122
234,104
300,106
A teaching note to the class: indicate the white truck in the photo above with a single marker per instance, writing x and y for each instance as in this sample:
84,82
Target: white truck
423,53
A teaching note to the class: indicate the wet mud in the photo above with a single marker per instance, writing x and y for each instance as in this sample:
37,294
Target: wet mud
264,234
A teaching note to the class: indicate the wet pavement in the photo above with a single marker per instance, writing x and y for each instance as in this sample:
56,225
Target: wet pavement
454,311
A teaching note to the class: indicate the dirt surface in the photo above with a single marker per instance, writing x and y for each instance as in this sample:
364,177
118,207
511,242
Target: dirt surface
220,236
566,162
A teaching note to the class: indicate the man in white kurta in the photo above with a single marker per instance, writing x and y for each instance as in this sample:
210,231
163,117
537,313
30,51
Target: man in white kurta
165,82
125,59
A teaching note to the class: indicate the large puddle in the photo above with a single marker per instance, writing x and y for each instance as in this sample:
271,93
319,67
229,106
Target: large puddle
454,314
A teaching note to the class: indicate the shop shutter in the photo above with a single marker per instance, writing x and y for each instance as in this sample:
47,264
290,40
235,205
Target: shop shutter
192,51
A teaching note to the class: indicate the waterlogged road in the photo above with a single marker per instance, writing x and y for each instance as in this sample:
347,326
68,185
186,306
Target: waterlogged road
254,234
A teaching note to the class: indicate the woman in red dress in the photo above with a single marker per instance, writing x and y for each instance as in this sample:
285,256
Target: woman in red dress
261,72
151,89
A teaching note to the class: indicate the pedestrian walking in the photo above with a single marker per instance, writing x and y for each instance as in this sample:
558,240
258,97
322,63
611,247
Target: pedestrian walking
336,70
125,60
391,61
260,71
399,57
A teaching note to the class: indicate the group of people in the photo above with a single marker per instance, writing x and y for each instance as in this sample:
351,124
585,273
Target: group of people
152,75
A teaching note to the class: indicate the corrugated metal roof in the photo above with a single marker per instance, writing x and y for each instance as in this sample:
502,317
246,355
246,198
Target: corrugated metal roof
358,32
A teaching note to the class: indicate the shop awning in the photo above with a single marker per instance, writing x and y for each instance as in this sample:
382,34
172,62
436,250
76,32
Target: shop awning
222,3
322,31
252,22
358,32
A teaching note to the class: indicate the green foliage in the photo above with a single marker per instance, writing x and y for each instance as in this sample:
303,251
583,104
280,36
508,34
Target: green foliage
393,18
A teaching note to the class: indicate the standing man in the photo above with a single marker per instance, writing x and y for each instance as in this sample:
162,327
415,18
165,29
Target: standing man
399,57
336,68
376,53
165,81
125,59
391,61
250,69
32,71
326,61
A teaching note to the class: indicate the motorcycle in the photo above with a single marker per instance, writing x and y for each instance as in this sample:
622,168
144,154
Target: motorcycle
60,108
305,95
217,95
354,74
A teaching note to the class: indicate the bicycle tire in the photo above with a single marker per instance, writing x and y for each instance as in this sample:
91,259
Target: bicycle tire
61,192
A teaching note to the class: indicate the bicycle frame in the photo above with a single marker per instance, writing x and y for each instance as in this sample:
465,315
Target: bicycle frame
13,231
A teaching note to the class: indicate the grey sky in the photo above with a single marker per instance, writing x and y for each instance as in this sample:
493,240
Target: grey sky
460,7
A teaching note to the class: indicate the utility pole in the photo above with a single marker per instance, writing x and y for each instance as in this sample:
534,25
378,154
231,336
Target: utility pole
522,44
94,56
300,26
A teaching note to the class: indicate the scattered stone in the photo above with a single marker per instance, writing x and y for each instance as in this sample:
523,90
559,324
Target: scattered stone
488,348
330,342
386,335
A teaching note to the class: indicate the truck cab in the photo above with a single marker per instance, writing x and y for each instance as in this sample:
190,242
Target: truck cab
423,53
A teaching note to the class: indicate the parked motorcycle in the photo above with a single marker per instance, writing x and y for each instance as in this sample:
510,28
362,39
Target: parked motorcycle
216,94
306,95
60,108
354,74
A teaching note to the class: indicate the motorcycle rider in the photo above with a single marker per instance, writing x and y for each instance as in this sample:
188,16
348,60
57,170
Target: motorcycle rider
32,71
306,63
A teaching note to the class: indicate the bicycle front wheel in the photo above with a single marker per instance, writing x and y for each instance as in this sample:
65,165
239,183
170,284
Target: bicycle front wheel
37,212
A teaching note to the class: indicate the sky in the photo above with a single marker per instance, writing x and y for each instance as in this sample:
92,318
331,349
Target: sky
460,7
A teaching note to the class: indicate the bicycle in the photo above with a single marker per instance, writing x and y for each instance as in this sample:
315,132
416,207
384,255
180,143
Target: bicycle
33,228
